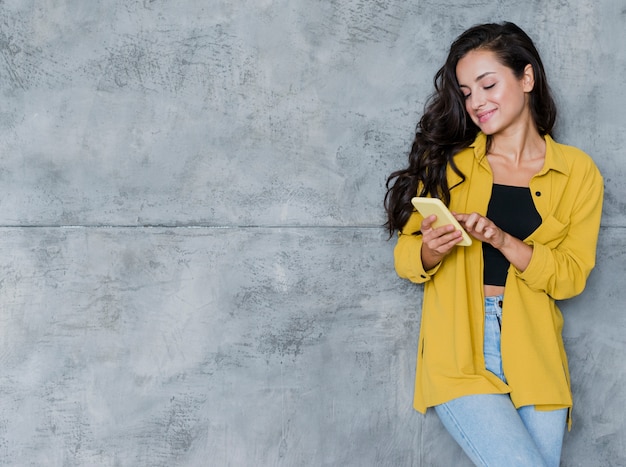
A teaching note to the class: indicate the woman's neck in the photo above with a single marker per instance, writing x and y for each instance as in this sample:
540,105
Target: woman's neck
518,145
516,158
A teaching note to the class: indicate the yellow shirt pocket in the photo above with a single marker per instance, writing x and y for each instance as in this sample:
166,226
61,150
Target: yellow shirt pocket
551,232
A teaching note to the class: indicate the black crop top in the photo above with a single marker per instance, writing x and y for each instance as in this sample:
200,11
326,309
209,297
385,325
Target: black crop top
512,209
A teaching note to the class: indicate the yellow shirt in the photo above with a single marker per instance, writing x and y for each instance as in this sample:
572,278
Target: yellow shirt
568,195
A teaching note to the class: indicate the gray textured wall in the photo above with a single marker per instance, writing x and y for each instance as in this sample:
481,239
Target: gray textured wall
192,268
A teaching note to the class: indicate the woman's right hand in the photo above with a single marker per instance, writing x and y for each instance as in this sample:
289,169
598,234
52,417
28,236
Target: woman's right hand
437,242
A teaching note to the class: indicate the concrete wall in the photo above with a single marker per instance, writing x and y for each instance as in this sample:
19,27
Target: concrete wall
192,268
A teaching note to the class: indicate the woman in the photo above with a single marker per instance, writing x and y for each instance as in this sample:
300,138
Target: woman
491,359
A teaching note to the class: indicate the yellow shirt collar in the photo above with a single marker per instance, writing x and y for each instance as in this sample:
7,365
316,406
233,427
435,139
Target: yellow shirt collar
554,155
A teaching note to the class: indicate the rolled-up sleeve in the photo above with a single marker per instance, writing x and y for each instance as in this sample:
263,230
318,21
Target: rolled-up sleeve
562,271
407,253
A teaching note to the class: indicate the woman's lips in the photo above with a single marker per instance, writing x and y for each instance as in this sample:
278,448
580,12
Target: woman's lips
484,116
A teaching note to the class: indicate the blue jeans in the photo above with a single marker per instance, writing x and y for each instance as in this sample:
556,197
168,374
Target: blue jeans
489,428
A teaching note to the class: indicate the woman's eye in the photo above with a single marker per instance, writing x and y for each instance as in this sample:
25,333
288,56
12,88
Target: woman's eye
466,96
490,86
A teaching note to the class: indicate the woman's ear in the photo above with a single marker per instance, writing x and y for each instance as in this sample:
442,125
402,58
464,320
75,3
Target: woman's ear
528,79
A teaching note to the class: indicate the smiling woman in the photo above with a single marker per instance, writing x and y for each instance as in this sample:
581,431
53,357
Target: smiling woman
491,359
495,99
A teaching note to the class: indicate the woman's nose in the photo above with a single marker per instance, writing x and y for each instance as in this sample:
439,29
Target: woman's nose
477,100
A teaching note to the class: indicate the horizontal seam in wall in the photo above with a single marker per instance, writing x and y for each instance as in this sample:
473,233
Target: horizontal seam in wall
190,226
216,227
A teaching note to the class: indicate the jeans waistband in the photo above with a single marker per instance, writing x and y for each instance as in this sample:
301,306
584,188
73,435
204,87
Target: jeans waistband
493,305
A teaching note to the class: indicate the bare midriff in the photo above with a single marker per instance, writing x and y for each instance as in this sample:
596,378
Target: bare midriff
493,290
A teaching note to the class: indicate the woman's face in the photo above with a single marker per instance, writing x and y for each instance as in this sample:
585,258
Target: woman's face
495,99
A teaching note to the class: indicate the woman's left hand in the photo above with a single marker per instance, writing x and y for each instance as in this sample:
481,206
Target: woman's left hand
481,228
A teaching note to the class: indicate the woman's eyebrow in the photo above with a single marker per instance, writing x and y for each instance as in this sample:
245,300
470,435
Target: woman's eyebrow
484,75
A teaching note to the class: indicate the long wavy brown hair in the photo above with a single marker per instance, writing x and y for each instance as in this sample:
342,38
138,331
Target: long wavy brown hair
445,128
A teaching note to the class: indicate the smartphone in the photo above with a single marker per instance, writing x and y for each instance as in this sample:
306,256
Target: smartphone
429,206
